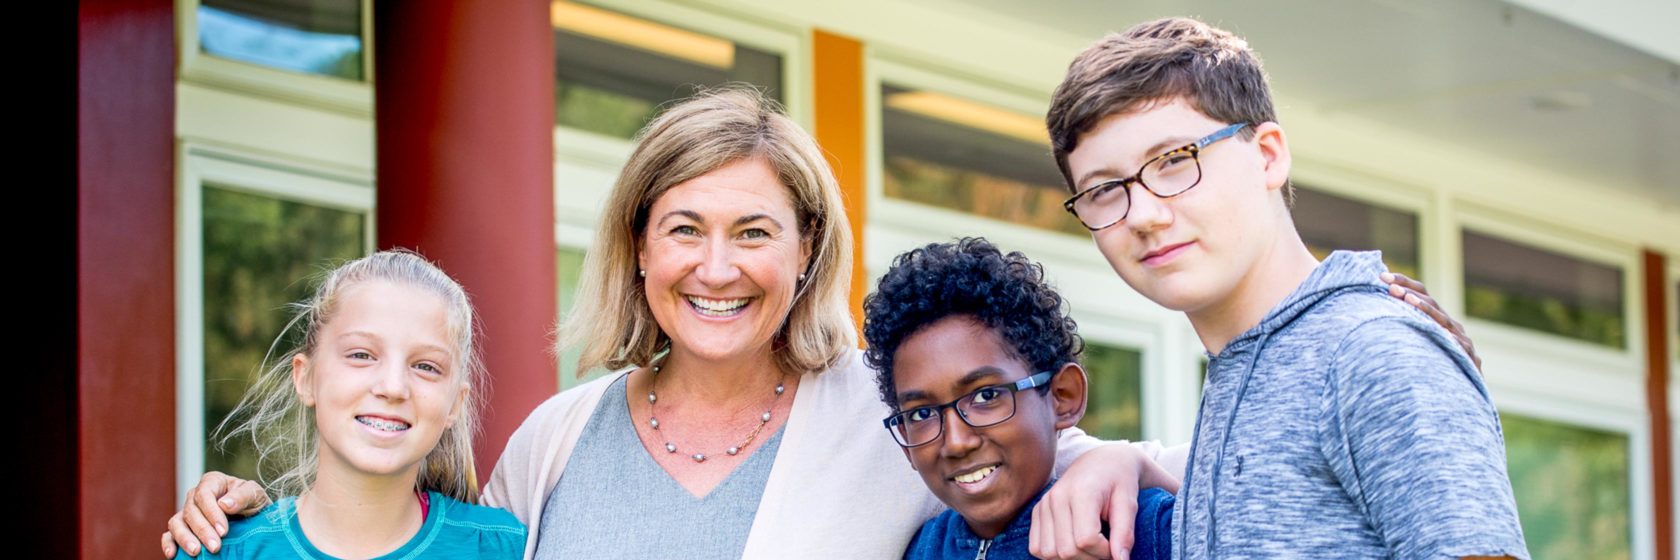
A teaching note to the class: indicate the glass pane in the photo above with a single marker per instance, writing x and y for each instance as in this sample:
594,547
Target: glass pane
1529,287
570,262
958,154
613,71
1572,488
308,36
259,254
1328,223
1115,407
1201,380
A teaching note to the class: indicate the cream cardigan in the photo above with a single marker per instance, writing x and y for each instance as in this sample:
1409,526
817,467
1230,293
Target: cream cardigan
840,486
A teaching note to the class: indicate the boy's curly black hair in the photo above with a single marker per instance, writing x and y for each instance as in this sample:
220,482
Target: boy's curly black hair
1006,293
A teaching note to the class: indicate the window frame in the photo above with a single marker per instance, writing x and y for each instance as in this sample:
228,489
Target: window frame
320,92
1620,420
1570,243
1145,339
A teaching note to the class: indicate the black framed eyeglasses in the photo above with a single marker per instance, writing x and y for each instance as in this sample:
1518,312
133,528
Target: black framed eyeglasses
1167,175
987,406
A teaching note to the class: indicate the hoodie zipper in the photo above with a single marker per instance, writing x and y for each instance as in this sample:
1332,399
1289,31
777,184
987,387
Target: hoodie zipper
985,544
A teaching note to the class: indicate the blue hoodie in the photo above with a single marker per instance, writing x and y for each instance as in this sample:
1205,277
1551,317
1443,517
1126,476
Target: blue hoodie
1346,424
948,537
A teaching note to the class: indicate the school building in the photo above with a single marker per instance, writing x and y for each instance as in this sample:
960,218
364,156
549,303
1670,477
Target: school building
1522,157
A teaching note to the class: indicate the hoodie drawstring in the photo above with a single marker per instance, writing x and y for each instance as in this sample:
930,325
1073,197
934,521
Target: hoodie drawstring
1219,454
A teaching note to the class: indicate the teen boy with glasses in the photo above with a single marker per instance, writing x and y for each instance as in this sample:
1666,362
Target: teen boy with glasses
1335,421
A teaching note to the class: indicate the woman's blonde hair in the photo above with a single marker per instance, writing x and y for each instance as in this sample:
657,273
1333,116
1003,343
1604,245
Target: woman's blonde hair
283,430
612,322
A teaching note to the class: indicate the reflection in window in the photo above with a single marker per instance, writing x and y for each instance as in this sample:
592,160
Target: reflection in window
1533,288
1329,223
1571,485
311,36
1115,378
260,254
613,72
954,153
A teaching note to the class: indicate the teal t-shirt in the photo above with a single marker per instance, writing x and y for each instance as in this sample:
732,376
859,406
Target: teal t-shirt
452,530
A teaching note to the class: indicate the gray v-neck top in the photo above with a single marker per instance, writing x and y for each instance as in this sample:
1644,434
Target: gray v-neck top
614,501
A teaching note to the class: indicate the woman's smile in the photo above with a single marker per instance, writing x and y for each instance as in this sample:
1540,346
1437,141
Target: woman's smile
719,308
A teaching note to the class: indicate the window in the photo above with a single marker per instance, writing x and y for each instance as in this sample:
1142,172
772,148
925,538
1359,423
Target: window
1525,286
260,254
614,72
1329,222
1114,408
963,155
1572,488
322,37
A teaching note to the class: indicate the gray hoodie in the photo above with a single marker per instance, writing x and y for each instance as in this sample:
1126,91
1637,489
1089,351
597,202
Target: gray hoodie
1345,425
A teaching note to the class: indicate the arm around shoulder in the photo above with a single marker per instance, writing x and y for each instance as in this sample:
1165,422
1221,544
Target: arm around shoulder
1073,443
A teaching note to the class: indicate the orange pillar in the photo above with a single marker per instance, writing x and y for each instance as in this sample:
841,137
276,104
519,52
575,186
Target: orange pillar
837,79
1656,399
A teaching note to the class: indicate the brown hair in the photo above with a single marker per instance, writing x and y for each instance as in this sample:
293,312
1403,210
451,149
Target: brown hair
1156,61
612,322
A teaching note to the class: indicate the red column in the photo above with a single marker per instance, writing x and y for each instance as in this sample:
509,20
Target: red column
1656,399
125,262
464,105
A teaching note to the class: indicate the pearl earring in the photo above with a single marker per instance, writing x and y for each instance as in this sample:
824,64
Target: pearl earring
643,273
801,277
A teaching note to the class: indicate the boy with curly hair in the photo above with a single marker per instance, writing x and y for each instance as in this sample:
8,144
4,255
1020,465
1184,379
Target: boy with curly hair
977,357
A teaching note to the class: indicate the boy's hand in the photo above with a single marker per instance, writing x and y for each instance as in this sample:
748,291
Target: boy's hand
204,516
1102,485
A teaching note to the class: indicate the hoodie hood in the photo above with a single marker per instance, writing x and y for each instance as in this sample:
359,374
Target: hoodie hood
1343,270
